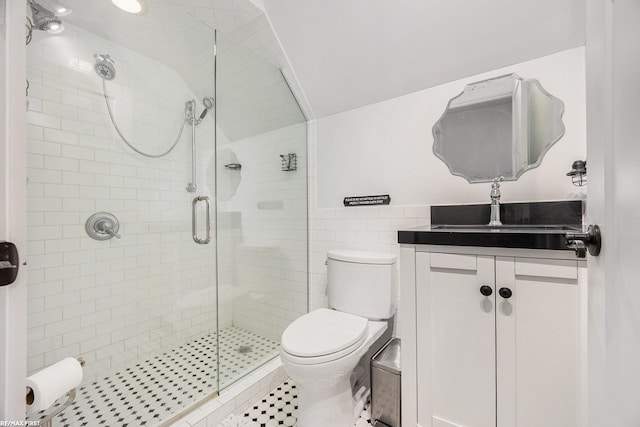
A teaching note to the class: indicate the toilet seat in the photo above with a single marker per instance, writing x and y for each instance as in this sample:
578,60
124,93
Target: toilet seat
322,336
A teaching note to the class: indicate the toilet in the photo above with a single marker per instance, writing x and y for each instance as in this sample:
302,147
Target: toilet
320,350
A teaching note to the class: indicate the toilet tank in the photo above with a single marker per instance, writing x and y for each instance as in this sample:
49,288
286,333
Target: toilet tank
361,283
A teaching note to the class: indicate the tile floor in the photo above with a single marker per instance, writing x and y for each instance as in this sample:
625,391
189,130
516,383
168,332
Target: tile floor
161,386
278,408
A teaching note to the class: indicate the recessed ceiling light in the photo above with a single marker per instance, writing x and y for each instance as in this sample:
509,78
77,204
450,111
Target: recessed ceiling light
131,6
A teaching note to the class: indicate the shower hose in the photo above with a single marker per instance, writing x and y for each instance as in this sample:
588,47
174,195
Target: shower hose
113,120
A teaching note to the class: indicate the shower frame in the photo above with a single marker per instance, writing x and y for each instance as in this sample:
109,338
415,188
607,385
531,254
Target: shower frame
118,162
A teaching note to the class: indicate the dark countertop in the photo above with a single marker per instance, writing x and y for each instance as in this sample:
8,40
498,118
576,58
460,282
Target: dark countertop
507,237
529,225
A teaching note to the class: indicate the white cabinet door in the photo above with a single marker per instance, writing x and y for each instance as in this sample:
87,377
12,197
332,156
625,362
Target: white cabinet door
508,359
537,342
456,376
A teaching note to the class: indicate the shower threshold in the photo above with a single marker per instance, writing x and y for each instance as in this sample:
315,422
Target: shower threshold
162,386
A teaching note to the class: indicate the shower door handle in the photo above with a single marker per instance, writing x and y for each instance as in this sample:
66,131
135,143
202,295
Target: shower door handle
194,220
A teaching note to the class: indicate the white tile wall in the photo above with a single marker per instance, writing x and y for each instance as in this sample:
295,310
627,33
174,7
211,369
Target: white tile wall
270,254
118,300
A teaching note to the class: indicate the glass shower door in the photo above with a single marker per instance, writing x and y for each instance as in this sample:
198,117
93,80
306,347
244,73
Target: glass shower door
261,149
140,307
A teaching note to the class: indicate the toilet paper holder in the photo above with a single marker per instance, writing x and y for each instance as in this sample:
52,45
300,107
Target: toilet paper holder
71,396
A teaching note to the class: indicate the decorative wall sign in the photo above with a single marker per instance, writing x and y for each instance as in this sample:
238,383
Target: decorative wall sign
382,199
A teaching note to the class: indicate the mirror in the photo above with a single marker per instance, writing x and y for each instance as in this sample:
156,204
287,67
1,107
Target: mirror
498,127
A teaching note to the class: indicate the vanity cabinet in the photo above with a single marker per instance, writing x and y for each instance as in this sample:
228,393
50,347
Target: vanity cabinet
494,336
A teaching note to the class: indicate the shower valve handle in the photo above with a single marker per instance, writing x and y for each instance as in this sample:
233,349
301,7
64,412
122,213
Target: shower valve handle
107,228
102,226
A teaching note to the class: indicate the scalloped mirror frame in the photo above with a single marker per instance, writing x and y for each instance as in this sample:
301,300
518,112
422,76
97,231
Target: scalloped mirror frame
514,120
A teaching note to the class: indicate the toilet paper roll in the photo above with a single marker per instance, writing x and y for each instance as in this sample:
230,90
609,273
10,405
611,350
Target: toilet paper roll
53,382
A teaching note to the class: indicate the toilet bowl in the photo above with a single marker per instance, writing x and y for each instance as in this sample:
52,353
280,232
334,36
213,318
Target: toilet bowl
319,351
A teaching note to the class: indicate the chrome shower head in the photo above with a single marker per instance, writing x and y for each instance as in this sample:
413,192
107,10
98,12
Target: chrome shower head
208,102
105,66
44,19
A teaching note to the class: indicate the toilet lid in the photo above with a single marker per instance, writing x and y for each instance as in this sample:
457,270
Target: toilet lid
323,332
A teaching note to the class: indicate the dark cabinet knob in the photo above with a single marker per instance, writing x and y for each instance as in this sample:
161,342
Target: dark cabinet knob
486,290
505,293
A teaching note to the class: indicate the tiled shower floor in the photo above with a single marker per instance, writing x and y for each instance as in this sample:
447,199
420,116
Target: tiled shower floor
152,391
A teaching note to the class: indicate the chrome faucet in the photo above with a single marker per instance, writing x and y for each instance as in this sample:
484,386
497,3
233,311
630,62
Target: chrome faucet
495,201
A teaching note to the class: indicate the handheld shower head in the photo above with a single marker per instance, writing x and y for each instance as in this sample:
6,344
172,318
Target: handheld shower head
44,19
208,103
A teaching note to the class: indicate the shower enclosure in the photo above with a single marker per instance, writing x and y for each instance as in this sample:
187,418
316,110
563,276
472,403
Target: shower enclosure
171,124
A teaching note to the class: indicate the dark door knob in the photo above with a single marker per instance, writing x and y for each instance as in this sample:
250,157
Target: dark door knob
486,290
580,242
505,293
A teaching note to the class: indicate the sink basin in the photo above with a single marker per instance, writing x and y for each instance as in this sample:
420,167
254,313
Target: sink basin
505,227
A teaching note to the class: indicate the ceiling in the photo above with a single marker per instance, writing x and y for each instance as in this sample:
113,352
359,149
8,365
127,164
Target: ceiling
351,53
252,95
169,30
344,53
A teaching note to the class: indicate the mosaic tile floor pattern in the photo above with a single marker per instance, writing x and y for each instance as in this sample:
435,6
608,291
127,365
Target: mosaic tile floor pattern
152,391
280,408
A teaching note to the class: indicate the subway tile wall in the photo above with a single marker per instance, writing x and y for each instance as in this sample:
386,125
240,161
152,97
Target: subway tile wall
362,228
117,300
270,283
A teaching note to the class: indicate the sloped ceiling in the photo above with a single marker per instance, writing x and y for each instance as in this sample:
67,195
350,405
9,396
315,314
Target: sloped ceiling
174,32
252,94
351,53
344,53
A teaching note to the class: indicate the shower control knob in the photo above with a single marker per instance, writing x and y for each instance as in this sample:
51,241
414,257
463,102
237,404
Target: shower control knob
102,226
505,293
486,290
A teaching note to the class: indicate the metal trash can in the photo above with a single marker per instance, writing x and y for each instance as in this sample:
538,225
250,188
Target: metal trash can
385,385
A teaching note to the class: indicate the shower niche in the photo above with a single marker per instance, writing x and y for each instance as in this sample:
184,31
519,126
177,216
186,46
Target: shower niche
128,132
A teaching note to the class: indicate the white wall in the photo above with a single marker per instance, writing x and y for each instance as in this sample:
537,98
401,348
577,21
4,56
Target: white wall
122,299
385,148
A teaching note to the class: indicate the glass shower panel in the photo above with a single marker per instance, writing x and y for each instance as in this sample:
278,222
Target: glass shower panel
140,308
261,207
